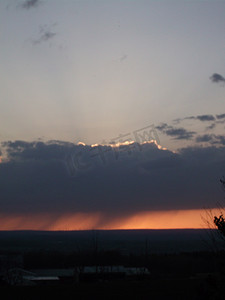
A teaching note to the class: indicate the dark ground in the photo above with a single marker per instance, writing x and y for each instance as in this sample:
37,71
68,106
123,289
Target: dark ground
126,241
155,289
181,262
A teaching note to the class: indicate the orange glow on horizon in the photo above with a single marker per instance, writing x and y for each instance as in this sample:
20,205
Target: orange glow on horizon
180,219
52,222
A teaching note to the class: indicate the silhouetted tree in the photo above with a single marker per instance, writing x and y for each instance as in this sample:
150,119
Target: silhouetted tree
220,224
220,221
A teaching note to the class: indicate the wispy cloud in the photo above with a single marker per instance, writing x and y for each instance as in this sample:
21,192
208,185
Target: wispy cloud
28,4
206,118
122,58
203,118
211,138
45,34
177,133
222,116
204,138
217,78
210,127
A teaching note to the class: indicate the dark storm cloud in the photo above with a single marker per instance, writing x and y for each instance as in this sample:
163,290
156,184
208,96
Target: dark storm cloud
217,78
36,150
36,178
30,4
177,133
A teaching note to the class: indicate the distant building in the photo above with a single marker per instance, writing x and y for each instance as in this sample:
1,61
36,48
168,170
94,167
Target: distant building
19,276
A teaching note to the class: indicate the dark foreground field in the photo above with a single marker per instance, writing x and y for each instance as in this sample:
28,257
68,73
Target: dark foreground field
155,289
180,264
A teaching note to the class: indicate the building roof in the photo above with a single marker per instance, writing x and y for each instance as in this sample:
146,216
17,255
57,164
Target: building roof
41,278
54,272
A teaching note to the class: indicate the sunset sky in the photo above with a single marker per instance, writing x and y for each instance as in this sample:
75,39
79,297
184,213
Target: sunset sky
112,113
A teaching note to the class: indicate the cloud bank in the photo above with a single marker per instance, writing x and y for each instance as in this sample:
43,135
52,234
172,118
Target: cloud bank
61,178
